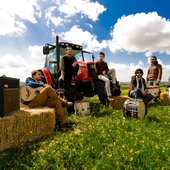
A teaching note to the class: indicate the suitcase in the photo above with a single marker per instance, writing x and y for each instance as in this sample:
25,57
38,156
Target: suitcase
9,95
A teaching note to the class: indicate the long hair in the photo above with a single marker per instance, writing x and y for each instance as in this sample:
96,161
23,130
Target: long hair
139,70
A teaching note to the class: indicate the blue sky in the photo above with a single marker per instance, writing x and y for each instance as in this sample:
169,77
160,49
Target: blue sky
127,31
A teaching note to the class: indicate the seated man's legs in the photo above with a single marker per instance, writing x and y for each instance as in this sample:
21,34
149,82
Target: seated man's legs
48,97
61,118
112,73
147,98
107,84
41,99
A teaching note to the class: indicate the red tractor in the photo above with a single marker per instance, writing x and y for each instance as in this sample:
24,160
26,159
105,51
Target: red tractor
86,85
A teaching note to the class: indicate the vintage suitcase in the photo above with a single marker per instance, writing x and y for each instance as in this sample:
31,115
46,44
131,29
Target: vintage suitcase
9,95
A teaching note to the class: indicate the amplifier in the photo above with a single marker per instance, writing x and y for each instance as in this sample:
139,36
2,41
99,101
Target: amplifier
9,95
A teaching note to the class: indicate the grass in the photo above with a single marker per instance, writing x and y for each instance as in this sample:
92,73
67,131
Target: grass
102,140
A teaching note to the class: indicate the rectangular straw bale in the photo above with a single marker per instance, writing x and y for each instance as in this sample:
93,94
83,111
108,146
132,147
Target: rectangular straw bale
117,102
26,125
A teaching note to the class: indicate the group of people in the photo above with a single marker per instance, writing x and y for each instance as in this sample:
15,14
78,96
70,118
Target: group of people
69,68
138,87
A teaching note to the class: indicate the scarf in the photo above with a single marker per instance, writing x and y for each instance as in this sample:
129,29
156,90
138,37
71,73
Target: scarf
142,83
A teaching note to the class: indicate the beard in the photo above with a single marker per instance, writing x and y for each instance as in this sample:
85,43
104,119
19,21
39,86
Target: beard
155,62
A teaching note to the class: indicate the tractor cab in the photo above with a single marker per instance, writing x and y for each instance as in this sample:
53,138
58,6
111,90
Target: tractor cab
85,59
53,55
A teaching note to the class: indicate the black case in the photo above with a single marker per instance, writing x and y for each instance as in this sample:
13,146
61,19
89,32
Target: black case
9,95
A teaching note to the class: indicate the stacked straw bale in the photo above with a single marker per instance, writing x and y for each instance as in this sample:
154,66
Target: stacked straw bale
117,102
164,97
26,125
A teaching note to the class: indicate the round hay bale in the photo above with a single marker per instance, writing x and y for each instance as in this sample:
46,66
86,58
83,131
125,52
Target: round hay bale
165,99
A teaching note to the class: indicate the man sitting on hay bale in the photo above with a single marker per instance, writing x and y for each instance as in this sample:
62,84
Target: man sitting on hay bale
48,97
138,88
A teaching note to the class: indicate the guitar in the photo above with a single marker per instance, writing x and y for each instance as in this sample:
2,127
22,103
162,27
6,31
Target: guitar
28,93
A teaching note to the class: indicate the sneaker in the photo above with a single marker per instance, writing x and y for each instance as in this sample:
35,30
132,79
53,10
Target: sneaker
67,104
110,97
66,126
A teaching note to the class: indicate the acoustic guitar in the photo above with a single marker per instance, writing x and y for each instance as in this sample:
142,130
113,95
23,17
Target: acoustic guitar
28,93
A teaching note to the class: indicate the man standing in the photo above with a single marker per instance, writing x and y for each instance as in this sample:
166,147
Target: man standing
47,97
154,73
69,67
103,73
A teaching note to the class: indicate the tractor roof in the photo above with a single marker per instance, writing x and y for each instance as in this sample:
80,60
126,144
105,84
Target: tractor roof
73,46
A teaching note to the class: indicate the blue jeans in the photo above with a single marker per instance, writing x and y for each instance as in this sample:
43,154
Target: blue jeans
153,82
137,94
147,98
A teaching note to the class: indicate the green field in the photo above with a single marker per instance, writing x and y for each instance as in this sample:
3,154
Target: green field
102,140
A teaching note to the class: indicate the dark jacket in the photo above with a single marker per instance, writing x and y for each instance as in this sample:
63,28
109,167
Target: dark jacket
133,84
100,67
66,66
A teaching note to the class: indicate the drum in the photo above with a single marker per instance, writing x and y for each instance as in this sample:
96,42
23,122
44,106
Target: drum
81,107
134,108
169,92
154,90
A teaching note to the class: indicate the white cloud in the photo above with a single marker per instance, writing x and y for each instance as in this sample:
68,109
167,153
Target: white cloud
166,71
13,60
36,52
88,40
13,66
141,32
83,7
12,12
21,66
51,18
125,71
9,26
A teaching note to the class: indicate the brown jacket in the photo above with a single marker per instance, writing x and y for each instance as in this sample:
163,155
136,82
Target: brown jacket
154,72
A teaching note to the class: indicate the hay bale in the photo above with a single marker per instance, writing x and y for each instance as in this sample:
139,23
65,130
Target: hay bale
26,125
117,102
164,97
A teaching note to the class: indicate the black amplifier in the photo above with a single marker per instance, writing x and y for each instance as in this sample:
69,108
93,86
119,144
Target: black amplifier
9,95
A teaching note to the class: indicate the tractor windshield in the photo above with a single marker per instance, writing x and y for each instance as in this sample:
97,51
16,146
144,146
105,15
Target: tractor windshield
84,56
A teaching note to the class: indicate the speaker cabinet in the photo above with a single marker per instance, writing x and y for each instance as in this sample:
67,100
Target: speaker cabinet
9,95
